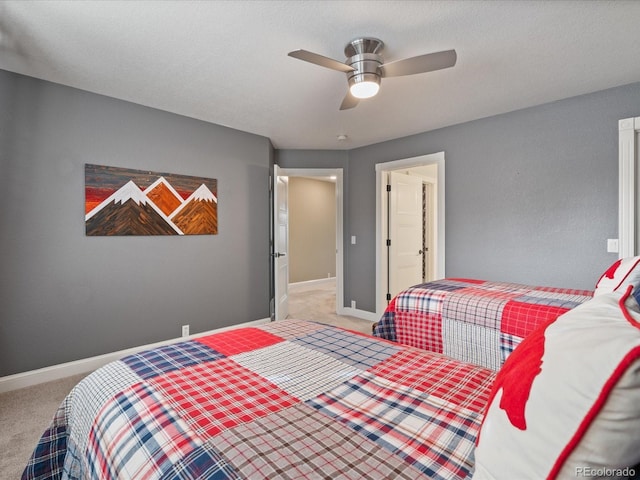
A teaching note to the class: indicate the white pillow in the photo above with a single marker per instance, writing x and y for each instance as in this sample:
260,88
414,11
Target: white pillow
566,403
619,276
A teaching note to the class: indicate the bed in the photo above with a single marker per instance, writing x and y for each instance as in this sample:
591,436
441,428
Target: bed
283,400
475,321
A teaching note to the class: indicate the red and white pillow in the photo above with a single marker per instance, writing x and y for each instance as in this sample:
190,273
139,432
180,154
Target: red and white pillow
619,276
566,403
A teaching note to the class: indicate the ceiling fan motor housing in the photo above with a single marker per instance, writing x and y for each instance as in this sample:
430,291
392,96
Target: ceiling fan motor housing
363,56
363,45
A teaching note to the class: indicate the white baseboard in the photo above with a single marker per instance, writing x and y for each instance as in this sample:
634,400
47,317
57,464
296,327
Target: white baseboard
363,314
311,282
352,312
86,365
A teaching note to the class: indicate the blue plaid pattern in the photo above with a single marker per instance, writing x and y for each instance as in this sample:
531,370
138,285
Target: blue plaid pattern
479,310
205,462
386,327
445,285
438,440
508,344
48,458
74,463
139,434
361,352
151,363
416,300
552,299
87,398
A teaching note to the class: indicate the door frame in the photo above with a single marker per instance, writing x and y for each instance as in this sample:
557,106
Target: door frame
338,173
381,219
628,200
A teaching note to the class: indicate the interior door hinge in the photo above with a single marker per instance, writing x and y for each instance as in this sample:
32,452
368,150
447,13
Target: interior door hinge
388,297
388,188
388,242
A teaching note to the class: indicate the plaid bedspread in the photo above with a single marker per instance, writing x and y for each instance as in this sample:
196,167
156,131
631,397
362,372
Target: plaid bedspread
286,400
474,321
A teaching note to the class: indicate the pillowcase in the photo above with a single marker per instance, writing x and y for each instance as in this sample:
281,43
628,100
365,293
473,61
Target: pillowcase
566,403
619,276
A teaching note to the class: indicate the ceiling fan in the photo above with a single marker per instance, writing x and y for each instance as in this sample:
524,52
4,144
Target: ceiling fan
365,66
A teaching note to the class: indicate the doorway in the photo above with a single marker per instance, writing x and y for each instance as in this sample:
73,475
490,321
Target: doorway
281,277
417,254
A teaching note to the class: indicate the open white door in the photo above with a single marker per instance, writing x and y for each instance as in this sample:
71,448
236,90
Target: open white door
405,230
281,244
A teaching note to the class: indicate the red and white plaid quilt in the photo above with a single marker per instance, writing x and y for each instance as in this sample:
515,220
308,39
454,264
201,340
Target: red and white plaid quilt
286,400
474,321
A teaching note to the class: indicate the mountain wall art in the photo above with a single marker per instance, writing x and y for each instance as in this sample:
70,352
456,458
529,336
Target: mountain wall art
123,201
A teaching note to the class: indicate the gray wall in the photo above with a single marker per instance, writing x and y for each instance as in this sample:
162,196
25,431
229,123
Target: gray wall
65,296
531,195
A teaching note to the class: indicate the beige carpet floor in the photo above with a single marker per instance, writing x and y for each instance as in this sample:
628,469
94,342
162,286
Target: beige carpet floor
317,301
25,414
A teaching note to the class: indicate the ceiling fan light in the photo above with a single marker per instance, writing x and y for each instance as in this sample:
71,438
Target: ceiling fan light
365,89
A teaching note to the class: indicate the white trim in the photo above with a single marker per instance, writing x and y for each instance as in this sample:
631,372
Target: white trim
311,282
381,168
85,365
362,314
628,130
327,172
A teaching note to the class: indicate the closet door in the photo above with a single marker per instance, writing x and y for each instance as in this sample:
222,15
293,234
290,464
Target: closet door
405,229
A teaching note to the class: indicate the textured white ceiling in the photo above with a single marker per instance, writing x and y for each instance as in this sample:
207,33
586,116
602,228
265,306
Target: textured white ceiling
226,61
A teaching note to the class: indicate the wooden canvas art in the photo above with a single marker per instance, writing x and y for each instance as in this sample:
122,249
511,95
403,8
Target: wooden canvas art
122,201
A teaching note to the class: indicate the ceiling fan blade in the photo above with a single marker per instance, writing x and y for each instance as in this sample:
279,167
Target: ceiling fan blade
321,60
349,101
420,64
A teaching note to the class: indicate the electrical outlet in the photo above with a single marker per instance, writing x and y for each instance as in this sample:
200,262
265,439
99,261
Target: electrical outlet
612,245
353,304
185,330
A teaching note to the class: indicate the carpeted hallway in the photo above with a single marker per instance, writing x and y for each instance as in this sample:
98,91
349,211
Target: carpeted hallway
317,301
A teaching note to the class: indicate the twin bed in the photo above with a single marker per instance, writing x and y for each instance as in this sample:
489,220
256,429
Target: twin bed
294,399
286,400
472,320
